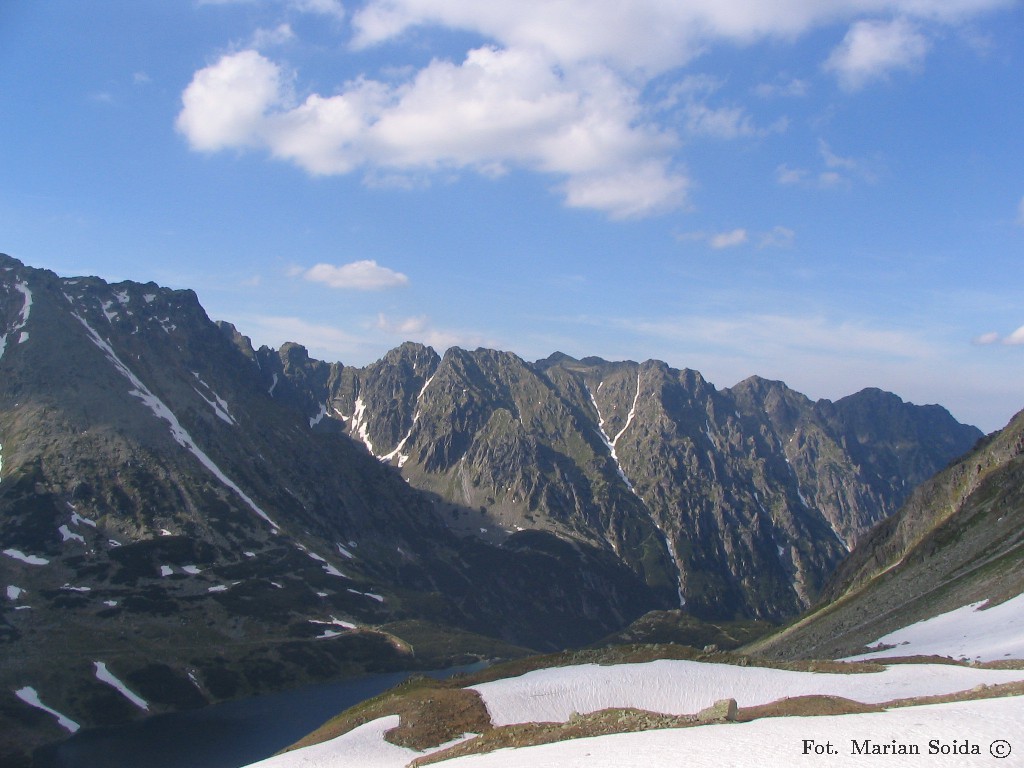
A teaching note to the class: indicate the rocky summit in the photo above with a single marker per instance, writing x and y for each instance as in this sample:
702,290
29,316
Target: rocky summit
185,518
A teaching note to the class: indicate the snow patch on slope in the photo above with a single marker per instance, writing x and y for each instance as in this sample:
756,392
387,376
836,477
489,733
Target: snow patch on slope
218,404
104,675
610,443
29,695
17,554
972,632
314,420
67,534
360,426
23,315
161,411
402,458
26,308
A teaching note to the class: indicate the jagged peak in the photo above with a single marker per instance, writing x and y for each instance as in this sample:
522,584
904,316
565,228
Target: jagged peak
875,396
412,352
757,383
236,337
293,352
557,358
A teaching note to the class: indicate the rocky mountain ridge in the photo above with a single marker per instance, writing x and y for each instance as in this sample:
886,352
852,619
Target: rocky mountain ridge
735,502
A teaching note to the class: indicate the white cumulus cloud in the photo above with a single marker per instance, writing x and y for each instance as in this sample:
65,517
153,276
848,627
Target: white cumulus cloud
225,105
873,49
497,108
364,275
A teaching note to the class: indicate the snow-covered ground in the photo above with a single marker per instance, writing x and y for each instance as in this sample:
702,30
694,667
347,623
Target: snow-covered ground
991,725
682,687
971,632
685,687
984,728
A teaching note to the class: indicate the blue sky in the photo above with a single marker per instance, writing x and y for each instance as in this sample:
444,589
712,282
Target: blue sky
827,193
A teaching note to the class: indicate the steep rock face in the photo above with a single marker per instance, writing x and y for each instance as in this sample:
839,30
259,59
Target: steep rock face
736,502
179,507
959,539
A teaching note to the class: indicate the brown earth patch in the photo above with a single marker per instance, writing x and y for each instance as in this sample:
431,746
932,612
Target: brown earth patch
430,712
603,722
806,706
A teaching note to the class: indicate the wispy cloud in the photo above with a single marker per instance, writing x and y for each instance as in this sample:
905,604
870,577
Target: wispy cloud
777,237
323,341
783,88
402,326
1014,339
365,275
728,239
835,170
760,335
420,328
269,38
332,8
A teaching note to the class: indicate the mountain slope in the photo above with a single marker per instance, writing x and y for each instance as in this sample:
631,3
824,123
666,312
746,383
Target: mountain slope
959,540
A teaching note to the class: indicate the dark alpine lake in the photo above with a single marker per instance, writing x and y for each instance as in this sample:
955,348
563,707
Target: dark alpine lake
227,735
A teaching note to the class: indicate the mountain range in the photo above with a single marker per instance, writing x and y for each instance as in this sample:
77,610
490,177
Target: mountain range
728,503
200,519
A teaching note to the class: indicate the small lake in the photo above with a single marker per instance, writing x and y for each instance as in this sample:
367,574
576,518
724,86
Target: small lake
227,735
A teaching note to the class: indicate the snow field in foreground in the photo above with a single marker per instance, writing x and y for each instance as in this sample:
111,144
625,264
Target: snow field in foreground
685,687
779,742
970,632
362,747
